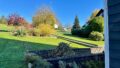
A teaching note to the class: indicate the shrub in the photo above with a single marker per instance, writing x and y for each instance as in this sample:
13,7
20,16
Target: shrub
37,61
45,30
40,63
85,32
94,64
69,65
97,24
30,57
62,50
16,20
75,65
97,36
35,32
75,31
19,32
62,64
3,20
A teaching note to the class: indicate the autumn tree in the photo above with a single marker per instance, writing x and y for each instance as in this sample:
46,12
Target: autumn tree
44,16
16,20
93,15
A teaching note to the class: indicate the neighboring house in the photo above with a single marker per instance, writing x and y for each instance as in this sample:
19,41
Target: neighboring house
67,29
112,33
56,26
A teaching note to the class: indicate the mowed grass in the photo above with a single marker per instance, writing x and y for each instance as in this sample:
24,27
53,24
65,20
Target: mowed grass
44,40
12,52
12,49
68,35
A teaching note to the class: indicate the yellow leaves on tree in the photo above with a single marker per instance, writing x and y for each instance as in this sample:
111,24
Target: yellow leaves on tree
45,29
44,16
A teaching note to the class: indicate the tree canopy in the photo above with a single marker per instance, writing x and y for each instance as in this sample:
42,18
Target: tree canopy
76,23
97,24
76,27
44,16
16,20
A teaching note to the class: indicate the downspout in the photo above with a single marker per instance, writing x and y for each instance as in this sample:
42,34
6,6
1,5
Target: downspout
106,31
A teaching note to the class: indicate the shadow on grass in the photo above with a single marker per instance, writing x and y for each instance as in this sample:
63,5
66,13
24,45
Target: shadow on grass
70,35
4,31
12,52
24,44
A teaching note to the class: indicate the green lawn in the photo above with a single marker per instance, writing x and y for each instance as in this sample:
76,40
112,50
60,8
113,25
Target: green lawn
12,48
68,35
5,27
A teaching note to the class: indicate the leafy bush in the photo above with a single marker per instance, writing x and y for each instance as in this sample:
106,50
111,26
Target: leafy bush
45,29
85,32
35,32
19,32
30,57
97,36
3,20
75,65
75,31
62,64
40,63
94,64
97,24
37,61
62,50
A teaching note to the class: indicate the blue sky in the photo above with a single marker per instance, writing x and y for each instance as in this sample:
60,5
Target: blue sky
65,10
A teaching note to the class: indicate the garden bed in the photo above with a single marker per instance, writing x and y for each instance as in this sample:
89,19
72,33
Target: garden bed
79,56
78,52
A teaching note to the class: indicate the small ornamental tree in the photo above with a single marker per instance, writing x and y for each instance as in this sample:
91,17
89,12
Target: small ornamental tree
16,20
76,27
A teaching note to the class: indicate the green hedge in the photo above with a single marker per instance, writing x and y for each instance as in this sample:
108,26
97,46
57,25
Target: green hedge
96,36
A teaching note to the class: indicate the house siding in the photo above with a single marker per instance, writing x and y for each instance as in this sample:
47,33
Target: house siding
114,32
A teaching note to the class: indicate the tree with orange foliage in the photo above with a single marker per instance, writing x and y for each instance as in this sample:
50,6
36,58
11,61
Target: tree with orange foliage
16,20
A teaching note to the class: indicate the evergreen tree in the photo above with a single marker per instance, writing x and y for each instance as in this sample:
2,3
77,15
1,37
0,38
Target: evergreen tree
76,23
76,27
